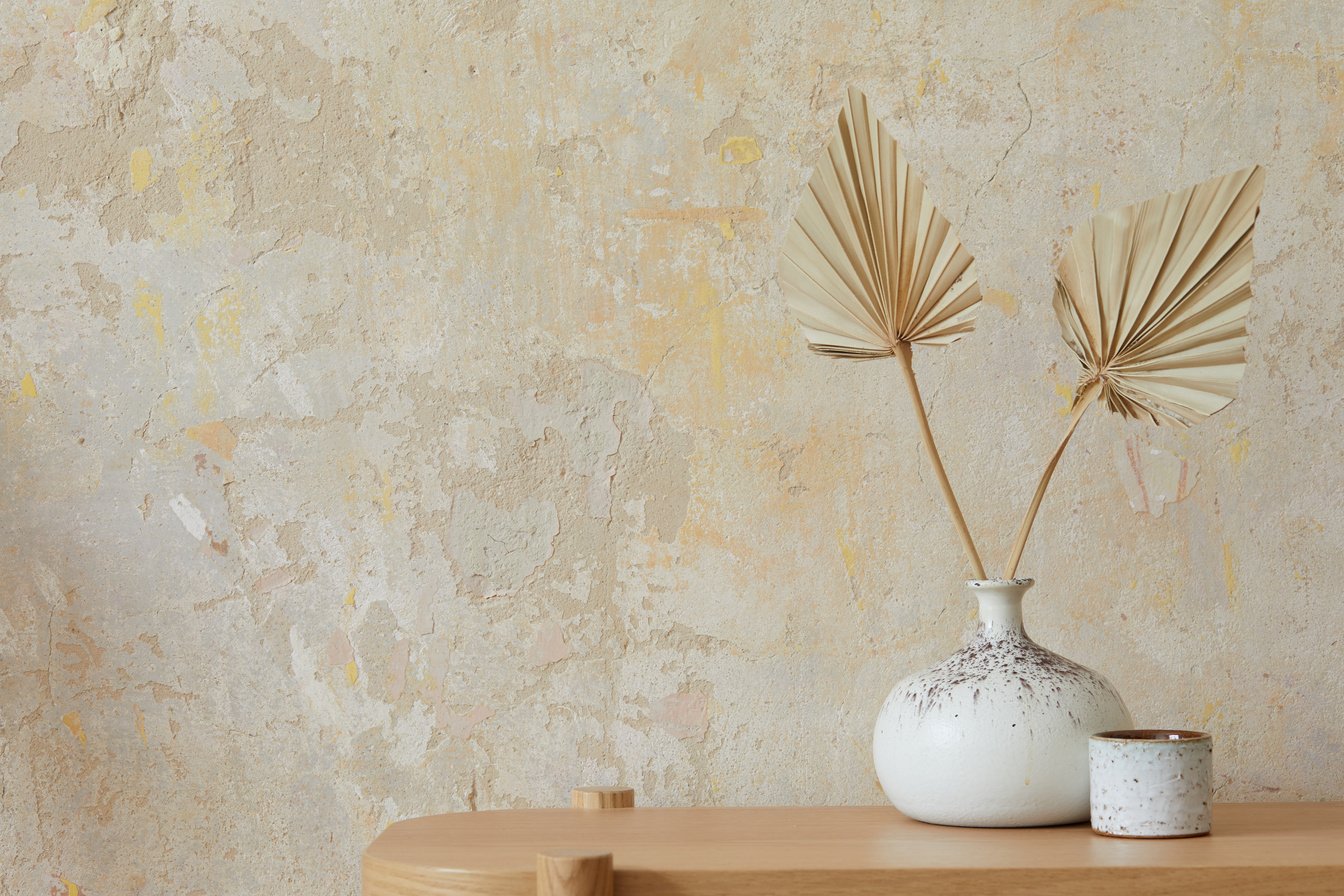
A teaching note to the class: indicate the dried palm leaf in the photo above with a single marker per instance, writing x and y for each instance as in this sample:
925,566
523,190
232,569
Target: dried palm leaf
870,263
1152,298
871,267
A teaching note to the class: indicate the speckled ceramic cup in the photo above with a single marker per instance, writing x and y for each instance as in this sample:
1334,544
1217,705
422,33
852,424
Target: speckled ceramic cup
1151,782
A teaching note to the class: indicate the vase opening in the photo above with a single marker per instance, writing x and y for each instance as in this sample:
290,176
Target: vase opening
1000,605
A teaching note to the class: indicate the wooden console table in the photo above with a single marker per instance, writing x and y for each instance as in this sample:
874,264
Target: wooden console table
1255,848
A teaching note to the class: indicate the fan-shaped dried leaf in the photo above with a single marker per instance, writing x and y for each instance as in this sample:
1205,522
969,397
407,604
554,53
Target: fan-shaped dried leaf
1153,297
869,262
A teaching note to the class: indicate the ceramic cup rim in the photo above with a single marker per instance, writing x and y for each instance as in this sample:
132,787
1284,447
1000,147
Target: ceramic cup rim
1152,736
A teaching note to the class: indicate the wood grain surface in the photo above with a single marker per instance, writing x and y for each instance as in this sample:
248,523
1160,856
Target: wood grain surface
573,872
1255,848
602,798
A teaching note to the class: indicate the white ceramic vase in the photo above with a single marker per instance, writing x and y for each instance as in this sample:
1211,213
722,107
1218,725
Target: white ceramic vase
996,735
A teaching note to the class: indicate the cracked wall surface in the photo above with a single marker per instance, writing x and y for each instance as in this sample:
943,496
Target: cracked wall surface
400,414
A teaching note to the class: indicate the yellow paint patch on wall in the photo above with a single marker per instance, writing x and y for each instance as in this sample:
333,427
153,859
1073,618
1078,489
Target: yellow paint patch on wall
94,12
140,726
740,151
693,340
847,553
1239,450
726,228
1064,391
199,207
352,673
27,389
699,87
1001,300
350,597
1164,600
932,72
1210,710
142,170
219,329
216,436
71,720
166,407
71,888
1096,195
148,305
1230,573
206,202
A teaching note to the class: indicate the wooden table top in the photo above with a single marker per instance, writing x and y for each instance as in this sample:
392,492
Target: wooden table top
1278,848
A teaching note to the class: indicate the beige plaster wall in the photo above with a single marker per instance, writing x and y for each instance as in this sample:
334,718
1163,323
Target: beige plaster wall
399,413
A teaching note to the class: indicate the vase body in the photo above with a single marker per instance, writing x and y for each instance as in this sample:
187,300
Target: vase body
996,735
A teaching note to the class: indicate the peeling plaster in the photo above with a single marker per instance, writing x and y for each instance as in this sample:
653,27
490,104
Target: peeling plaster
1153,477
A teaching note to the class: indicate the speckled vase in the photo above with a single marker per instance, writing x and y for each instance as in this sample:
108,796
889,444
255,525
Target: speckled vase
996,735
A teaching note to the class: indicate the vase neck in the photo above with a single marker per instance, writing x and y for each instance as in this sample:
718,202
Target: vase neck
1000,606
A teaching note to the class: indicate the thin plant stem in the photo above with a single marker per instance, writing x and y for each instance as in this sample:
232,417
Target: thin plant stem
908,370
1085,401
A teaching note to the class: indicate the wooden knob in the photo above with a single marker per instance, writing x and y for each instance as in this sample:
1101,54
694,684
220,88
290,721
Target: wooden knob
573,872
602,798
